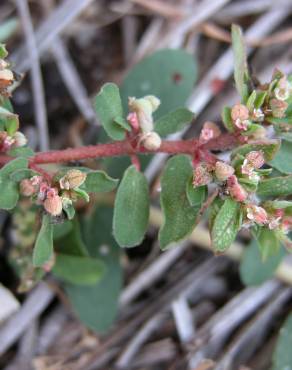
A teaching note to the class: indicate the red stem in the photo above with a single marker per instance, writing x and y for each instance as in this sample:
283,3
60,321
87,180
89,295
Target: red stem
120,148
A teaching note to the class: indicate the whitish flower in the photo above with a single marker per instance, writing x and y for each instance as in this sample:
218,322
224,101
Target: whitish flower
256,214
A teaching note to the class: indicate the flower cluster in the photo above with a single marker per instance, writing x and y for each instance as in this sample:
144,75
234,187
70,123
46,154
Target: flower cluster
58,196
10,137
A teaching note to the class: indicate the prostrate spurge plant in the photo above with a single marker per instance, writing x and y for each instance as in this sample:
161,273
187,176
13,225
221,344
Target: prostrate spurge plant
242,192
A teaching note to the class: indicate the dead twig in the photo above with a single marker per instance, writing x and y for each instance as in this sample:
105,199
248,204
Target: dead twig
37,301
36,76
216,32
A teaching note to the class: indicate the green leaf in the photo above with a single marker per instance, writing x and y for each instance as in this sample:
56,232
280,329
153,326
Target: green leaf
96,306
43,248
24,151
10,121
269,148
253,269
251,101
7,29
14,165
276,121
131,212
196,196
62,229
268,242
260,99
282,357
122,122
98,182
275,186
240,65
70,242
169,74
283,159
179,216
173,121
226,119
69,210
24,173
9,193
226,225
213,210
82,194
3,51
78,270
108,107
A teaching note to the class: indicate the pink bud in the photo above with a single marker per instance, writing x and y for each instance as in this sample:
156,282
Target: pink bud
132,118
239,111
209,131
256,158
235,189
279,212
53,205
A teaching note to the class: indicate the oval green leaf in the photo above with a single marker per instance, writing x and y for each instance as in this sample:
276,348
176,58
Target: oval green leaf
226,225
79,270
131,212
179,215
43,248
108,107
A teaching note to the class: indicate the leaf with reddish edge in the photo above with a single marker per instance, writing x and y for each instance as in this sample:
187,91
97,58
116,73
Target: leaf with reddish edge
225,225
180,217
269,148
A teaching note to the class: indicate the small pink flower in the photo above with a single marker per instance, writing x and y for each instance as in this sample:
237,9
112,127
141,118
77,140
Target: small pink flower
202,176
257,214
242,125
256,158
132,118
209,131
235,189
279,212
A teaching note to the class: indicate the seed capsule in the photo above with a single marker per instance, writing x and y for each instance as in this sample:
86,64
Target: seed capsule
73,179
223,171
151,141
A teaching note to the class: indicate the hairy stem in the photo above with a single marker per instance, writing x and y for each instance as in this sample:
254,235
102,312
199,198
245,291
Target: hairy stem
120,148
